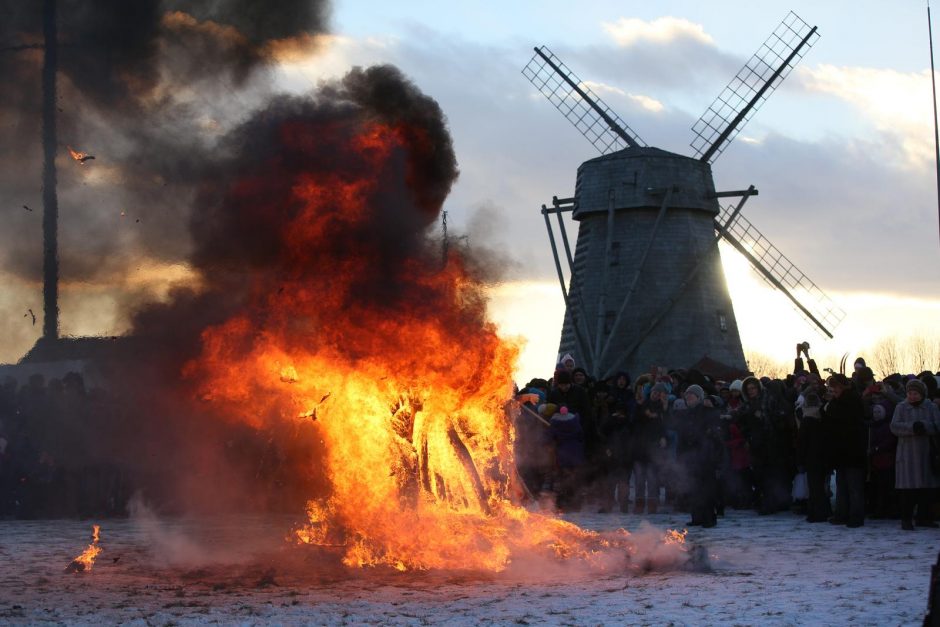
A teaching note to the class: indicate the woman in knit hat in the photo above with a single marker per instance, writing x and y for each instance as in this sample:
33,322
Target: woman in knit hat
915,421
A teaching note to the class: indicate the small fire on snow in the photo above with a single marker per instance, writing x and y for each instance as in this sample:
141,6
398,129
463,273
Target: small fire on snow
86,560
675,537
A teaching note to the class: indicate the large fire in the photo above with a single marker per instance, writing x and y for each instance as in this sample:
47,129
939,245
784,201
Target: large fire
388,355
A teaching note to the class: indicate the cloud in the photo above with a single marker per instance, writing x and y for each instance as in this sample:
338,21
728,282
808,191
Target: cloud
849,209
646,102
662,30
650,104
897,103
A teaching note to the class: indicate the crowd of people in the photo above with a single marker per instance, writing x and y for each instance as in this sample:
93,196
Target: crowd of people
693,443
668,439
50,450
69,450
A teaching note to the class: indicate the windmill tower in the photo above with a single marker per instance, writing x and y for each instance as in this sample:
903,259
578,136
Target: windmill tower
645,284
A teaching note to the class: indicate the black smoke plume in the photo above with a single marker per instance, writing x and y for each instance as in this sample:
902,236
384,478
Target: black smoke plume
165,159
145,86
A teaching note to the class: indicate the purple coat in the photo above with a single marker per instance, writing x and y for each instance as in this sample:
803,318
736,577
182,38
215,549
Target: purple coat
569,440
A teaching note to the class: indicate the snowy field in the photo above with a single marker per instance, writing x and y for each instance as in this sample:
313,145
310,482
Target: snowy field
773,570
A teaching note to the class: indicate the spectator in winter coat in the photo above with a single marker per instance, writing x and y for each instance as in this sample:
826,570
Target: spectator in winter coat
812,458
882,450
739,486
859,375
607,464
847,437
700,455
621,395
762,417
649,440
569,456
575,398
534,448
619,436
915,421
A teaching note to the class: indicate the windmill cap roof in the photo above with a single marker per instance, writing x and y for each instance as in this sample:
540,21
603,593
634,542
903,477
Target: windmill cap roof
646,151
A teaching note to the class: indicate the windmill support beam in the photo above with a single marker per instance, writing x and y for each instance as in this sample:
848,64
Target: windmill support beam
712,249
750,105
564,232
551,239
550,210
750,191
636,276
583,346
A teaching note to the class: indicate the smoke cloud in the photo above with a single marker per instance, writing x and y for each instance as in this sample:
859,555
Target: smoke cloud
246,223
195,158
148,88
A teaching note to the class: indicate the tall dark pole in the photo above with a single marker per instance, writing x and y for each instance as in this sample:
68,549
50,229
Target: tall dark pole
936,132
50,209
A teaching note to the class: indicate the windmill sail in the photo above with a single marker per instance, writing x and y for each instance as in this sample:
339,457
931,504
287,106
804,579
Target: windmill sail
583,108
780,272
752,85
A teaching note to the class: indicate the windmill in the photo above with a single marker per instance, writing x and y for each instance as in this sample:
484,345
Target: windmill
646,285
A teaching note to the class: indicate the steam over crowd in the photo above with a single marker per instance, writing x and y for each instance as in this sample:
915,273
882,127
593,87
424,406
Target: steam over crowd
666,439
683,440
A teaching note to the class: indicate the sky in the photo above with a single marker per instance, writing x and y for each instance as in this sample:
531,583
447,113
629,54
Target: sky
842,153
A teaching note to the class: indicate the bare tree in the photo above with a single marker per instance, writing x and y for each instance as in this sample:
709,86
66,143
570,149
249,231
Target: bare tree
764,365
923,353
886,356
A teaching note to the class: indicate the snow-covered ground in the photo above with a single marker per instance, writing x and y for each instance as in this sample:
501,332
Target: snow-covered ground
767,570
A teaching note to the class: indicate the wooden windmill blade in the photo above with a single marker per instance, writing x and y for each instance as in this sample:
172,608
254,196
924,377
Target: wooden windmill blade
776,269
583,108
752,85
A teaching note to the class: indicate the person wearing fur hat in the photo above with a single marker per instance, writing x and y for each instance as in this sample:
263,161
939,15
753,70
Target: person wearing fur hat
700,455
847,438
915,421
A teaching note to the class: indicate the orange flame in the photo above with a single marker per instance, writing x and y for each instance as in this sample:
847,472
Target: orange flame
81,157
675,537
408,399
86,560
